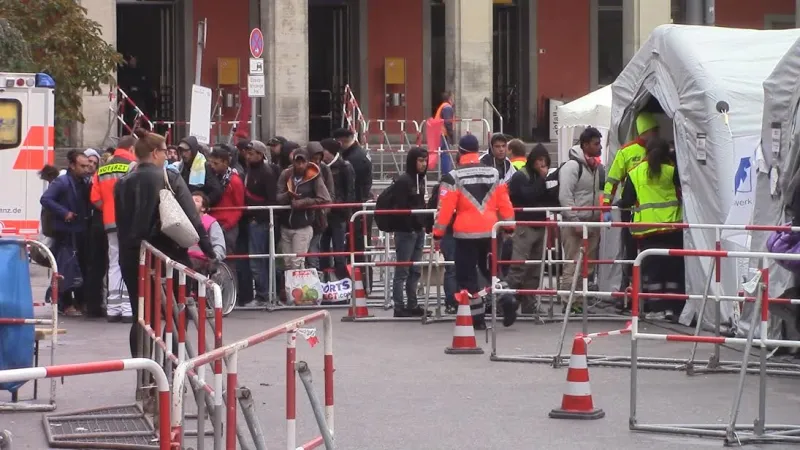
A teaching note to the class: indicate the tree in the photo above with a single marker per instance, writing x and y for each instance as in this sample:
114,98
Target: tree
62,42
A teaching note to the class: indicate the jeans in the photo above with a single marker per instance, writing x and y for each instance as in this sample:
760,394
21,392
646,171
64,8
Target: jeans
448,248
527,244
409,248
334,238
312,262
259,244
243,276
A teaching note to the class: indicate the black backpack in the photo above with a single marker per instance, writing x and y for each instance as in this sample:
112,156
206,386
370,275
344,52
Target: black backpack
552,179
386,200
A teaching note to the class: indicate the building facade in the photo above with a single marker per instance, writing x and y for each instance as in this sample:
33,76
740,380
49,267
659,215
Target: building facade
396,56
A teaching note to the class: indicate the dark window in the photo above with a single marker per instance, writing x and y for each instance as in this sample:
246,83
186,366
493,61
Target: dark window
609,41
10,123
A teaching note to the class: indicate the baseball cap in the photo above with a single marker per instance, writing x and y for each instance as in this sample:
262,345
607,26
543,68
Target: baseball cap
257,146
468,143
277,140
645,122
300,153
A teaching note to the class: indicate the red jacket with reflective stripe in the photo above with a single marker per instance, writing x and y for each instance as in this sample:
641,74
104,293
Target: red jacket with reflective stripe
103,182
478,198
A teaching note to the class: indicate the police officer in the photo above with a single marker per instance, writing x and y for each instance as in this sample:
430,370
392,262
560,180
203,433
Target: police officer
628,157
653,187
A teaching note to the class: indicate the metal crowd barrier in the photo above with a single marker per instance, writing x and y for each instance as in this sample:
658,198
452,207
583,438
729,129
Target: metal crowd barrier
230,353
141,364
49,325
733,433
557,360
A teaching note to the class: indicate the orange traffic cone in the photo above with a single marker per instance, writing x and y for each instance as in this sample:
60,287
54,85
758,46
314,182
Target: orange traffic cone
464,342
358,307
577,401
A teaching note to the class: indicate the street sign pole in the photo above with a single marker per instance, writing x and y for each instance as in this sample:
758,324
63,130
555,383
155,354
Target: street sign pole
256,86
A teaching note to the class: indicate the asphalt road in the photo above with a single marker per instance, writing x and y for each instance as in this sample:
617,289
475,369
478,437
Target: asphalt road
396,389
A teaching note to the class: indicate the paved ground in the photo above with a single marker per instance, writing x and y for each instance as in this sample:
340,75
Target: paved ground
396,389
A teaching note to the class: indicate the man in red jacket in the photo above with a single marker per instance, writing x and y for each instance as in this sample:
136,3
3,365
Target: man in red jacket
230,208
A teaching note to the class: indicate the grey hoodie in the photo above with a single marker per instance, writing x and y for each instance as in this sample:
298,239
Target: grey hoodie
585,191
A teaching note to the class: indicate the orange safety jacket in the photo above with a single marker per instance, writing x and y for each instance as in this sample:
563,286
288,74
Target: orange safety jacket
438,116
103,182
477,197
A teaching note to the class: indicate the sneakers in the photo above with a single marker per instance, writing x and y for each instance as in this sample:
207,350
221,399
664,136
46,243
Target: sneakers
255,304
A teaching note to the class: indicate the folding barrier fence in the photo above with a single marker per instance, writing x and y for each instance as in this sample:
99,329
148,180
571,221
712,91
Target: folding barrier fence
141,364
714,364
733,433
43,329
230,353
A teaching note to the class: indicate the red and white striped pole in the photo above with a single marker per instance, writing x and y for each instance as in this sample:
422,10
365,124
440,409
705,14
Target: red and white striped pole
291,390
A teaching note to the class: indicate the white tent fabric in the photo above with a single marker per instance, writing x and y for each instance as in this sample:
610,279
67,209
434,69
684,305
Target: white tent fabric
779,161
593,109
688,69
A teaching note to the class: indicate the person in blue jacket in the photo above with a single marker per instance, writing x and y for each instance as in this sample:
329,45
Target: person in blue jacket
66,202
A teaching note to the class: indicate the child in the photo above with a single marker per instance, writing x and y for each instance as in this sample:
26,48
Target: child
212,227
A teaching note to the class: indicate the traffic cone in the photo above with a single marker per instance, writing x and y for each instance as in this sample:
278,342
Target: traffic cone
358,307
577,401
464,342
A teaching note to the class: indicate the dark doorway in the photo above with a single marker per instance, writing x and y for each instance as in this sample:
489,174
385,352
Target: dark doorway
148,31
328,65
438,53
507,61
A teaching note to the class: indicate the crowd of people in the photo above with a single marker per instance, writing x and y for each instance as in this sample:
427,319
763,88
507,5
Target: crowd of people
97,213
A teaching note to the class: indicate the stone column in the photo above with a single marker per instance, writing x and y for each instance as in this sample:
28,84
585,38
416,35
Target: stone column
284,110
95,106
640,18
469,59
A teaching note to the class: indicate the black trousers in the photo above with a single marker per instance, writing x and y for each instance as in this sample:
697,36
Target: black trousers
96,250
663,274
129,266
471,258
629,250
359,244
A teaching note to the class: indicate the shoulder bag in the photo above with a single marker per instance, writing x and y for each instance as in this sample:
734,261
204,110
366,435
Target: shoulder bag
174,222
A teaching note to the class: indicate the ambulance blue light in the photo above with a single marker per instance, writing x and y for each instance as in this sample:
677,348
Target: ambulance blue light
44,80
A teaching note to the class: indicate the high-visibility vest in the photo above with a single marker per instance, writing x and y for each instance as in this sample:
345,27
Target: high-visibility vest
626,159
519,162
438,115
657,199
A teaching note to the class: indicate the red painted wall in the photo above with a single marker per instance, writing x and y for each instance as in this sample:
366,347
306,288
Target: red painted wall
562,31
749,13
395,31
228,35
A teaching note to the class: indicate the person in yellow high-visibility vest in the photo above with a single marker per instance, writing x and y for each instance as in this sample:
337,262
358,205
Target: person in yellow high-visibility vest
628,157
653,190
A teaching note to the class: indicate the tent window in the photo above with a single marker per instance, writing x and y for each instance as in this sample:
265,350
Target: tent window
609,41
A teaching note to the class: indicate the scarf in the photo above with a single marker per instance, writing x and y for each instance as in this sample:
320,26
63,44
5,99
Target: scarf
335,158
226,177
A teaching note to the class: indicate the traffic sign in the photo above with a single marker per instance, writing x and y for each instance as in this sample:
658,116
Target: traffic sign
256,66
256,43
256,86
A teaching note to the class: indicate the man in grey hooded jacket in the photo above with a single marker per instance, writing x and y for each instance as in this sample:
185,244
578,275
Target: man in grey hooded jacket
580,181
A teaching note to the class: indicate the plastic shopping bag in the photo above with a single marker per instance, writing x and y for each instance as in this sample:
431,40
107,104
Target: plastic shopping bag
303,287
337,292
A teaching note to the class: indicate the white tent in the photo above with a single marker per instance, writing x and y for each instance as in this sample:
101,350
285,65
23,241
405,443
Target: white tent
593,109
776,166
688,69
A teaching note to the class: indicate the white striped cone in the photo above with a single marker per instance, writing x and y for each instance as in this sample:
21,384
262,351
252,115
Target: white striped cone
577,400
358,307
464,342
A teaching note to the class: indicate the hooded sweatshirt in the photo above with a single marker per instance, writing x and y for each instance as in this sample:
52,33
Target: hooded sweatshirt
504,167
285,158
321,219
211,185
580,191
309,191
411,192
527,187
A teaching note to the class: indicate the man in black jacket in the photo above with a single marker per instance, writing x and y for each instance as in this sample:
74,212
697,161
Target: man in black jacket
528,188
260,183
409,233
357,157
344,181
189,150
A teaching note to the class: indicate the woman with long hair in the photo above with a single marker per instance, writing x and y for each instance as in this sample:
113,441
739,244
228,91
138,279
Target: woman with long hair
136,196
653,191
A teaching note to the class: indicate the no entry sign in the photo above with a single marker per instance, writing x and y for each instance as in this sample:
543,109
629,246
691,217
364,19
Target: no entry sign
256,43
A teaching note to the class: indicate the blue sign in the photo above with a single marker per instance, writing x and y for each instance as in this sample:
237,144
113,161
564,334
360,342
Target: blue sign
743,180
256,43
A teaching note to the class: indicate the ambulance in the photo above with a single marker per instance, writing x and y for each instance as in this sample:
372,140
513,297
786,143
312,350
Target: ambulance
27,142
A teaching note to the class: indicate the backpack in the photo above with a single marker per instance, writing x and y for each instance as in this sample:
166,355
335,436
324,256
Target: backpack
386,200
552,179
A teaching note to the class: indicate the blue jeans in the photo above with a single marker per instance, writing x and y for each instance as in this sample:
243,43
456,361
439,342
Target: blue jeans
448,248
259,244
312,262
409,248
334,238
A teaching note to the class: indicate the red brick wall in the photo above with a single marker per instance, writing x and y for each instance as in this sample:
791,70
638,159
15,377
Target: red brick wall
395,31
750,13
562,32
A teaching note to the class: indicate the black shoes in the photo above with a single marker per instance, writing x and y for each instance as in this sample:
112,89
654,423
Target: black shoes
508,304
415,311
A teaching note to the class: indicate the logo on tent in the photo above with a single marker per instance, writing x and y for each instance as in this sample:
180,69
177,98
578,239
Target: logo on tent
743,181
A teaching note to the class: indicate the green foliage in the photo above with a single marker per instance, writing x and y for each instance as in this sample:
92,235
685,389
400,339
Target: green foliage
56,37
